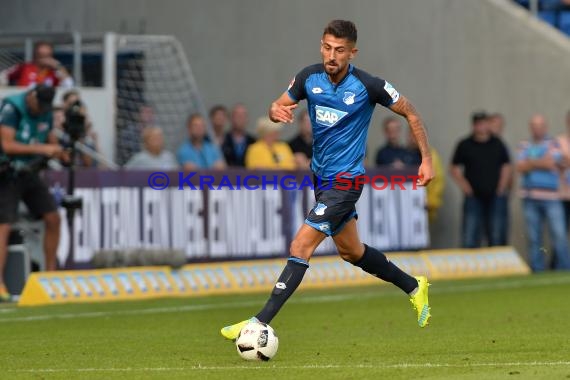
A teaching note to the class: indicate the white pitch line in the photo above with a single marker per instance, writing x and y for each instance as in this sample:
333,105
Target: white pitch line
508,284
310,366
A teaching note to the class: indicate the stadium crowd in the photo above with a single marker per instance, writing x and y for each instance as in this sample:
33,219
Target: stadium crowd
482,165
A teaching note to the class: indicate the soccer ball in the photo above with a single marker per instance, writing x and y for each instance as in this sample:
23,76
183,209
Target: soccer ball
257,341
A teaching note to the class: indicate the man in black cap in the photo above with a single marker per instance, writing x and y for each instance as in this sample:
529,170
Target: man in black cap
26,138
482,169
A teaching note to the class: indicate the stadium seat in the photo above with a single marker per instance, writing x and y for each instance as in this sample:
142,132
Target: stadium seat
548,17
564,22
549,5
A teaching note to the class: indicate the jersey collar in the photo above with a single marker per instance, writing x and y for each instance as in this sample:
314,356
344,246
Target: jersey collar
348,72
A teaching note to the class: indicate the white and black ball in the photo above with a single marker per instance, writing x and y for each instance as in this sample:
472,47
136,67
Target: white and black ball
257,341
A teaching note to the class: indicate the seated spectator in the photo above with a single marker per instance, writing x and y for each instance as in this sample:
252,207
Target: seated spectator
196,152
43,69
237,139
539,162
302,144
269,152
434,191
153,155
412,155
129,133
393,153
219,119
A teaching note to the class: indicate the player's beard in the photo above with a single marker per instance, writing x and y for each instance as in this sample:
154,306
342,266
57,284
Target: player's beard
333,70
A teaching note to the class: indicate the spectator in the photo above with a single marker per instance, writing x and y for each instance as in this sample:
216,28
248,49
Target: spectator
130,134
219,120
237,139
197,152
269,152
153,156
497,124
539,162
481,168
25,130
497,127
434,191
302,144
44,69
564,143
393,153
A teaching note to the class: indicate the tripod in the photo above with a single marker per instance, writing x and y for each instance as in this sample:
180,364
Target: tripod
71,203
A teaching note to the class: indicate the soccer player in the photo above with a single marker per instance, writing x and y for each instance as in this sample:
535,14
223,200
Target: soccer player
341,99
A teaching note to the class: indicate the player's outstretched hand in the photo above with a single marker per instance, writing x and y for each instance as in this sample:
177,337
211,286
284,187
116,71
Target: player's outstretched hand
281,113
425,173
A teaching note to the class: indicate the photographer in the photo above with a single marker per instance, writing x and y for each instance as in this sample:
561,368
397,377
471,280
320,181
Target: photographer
27,140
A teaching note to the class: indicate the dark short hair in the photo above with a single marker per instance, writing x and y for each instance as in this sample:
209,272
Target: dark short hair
478,116
217,108
69,94
341,29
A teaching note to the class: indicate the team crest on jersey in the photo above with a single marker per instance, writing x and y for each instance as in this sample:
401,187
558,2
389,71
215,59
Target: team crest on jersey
320,209
348,98
42,127
328,116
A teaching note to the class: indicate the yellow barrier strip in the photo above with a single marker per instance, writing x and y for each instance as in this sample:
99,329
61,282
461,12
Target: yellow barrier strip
254,276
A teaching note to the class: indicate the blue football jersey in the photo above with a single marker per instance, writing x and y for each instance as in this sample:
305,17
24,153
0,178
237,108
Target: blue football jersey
340,116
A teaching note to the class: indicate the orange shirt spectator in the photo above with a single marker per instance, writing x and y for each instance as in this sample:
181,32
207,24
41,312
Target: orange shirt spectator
44,69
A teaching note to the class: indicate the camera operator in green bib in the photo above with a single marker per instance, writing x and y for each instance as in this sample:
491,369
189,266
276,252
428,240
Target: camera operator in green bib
28,142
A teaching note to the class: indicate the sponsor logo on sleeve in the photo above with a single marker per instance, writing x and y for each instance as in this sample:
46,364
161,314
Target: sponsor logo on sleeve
395,95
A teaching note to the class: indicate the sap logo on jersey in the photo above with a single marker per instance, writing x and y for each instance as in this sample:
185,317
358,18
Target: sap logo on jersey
328,116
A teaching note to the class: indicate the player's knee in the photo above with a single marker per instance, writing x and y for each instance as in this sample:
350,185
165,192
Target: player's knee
352,254
52,220
348,255
300,249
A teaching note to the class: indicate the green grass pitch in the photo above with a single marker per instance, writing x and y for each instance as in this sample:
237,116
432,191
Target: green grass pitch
506,328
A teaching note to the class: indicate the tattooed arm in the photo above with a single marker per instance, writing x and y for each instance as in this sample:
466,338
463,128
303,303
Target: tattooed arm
406,109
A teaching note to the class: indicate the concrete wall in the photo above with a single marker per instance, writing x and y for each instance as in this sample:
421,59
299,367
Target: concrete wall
448,56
